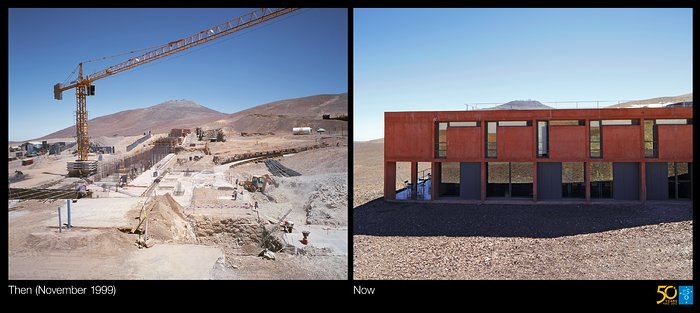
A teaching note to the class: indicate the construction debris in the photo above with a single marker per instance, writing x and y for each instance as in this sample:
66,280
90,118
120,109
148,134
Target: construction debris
267,254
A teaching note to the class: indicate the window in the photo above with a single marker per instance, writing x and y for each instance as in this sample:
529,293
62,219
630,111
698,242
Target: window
498,178
542,139
449,179
573,181
521,179
567,123
515,123
620,122
674,121
441,140
491,146
464,124
601,179
650,139
679,180
509,179
595,140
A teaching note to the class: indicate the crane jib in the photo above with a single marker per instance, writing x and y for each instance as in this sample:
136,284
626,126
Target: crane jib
83,84
240,23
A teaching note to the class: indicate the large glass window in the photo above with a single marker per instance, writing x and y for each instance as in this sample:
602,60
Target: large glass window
650,139
573,180
449,179
596,149
498,174
441,140
601,179
509,179
491,146
521,178
679,180
542,139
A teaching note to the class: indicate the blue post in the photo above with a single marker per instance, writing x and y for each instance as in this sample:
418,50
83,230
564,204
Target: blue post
69,226
60,227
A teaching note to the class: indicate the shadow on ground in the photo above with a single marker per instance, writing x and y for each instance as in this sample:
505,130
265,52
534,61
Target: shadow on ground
381,218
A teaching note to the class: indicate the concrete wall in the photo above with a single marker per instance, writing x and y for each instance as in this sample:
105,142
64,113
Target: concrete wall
568,143
463,143
515,143
410,137
676,142
622,143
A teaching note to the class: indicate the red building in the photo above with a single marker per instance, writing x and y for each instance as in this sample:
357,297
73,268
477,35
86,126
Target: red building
558,154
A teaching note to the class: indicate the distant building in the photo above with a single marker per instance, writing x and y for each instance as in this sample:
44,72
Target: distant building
685,104
33,147
180,132
301,130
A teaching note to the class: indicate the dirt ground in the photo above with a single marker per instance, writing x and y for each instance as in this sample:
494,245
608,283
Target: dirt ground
448,241
202,233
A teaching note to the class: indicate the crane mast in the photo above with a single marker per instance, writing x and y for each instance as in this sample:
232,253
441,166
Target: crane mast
84,87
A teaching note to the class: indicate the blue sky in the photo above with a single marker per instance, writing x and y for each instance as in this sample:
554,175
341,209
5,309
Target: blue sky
302,54
440,59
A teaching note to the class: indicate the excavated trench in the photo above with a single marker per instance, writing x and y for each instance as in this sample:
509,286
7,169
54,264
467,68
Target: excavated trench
238,234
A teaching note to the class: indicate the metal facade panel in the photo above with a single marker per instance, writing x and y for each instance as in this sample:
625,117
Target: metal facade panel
626,181
549,181
657,180
470,180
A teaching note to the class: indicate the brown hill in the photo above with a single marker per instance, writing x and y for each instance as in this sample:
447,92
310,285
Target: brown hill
158,118
674,99
282,116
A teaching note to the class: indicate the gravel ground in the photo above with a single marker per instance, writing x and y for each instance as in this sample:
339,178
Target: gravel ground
451,241
399,240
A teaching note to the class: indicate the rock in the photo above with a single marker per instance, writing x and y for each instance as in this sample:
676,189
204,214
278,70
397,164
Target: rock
267,254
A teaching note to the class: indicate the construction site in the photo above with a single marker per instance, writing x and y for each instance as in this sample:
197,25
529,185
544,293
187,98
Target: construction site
202,195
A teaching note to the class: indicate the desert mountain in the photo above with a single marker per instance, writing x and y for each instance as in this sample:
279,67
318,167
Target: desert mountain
278,116
282,116
157,118
521,105
655,102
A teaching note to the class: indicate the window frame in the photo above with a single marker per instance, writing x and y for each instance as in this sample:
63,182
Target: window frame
495,143
600,140
546,141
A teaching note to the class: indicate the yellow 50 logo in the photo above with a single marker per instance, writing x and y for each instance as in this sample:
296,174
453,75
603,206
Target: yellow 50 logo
663,290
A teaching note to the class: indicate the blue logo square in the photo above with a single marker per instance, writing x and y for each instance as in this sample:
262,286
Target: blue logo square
685,294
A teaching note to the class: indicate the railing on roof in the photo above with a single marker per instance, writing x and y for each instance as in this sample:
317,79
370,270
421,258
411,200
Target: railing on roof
586,104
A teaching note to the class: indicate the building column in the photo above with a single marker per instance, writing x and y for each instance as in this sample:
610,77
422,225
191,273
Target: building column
643,181
414,179
534,157
642,171
534,182
483,181
436,177
389,180
587,170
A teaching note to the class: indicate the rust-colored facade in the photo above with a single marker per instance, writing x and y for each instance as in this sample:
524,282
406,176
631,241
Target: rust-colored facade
570,137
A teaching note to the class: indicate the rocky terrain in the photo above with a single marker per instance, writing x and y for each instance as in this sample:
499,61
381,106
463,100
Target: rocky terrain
450,241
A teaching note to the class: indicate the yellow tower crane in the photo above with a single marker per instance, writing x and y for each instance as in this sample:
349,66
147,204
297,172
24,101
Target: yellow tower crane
84,87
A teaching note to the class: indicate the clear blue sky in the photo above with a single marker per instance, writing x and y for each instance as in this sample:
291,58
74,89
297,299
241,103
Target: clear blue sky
440,59
302,54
